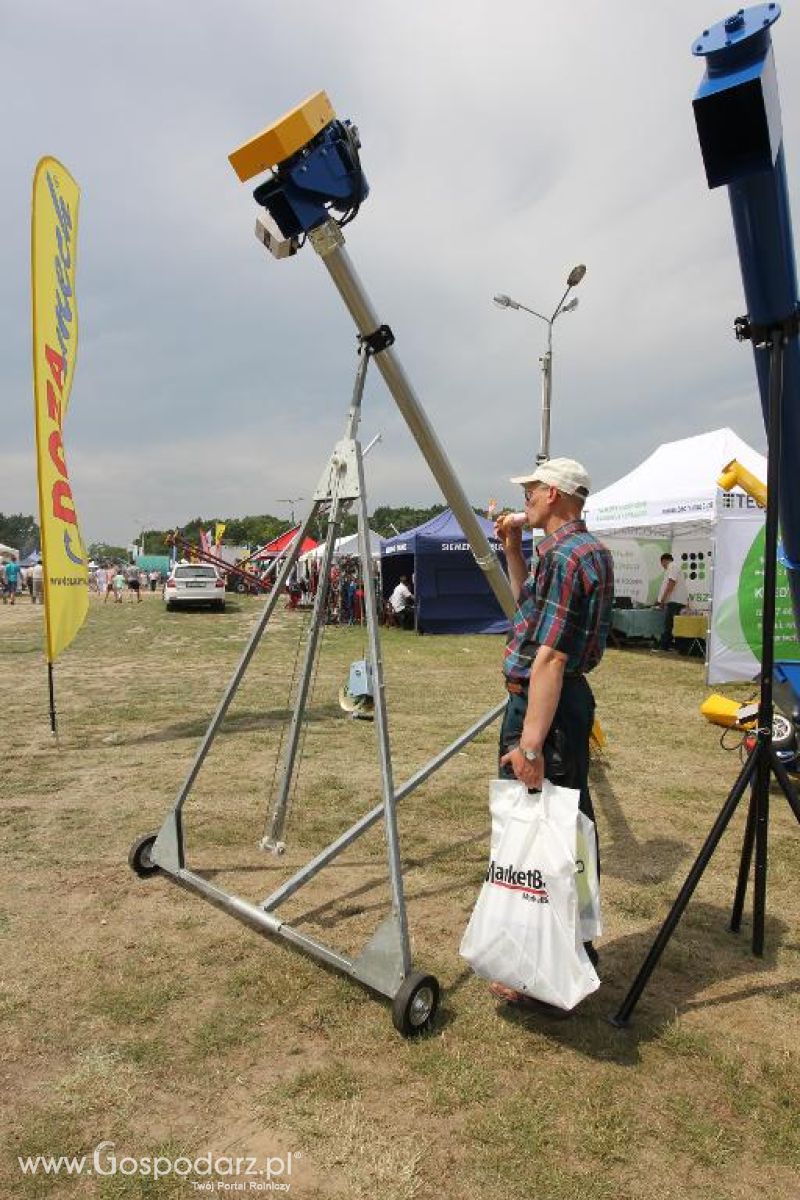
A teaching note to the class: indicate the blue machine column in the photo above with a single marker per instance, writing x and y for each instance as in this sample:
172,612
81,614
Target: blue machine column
738,116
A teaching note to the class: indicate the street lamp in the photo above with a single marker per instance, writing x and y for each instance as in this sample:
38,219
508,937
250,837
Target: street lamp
291,501
141,522
573,279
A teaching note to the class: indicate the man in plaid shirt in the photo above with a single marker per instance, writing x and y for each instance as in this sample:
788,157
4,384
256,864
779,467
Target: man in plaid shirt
558,635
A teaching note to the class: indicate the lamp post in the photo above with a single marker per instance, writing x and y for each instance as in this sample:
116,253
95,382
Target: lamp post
141,522
291,501
573,279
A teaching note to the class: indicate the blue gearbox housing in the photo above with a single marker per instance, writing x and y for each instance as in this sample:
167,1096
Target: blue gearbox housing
324,177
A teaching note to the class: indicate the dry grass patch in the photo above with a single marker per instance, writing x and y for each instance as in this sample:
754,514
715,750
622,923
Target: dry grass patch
132,1011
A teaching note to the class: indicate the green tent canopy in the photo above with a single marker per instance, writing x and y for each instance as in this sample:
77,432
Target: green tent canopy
153,562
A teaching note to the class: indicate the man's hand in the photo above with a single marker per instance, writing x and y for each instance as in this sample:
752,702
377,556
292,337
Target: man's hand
529,773
508,528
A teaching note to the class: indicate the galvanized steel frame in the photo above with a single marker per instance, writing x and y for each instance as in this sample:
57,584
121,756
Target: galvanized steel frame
385,961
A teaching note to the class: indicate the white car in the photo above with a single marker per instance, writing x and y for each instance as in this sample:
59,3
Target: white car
194,583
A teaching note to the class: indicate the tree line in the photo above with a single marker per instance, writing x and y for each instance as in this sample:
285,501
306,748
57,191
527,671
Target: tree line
22,532
256,530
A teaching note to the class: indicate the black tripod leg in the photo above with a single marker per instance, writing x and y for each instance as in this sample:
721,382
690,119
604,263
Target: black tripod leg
765,708
787,787
761,797
622,1016
744,868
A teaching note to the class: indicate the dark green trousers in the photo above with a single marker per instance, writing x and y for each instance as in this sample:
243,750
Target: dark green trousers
566,749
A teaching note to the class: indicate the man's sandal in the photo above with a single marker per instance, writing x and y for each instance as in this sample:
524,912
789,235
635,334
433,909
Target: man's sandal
527,1003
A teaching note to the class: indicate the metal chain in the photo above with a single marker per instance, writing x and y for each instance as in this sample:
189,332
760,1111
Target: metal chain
292,678
304,731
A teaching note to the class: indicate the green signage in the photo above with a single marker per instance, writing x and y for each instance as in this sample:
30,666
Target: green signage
751,604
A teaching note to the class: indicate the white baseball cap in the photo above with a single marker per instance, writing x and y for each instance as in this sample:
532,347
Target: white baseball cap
563,473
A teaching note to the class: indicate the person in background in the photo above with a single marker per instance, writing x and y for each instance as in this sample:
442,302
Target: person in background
134,585
402,603
558,634
348,596
673,596
358,603
111,572
153,578
101,580
118,585
12,574
38,583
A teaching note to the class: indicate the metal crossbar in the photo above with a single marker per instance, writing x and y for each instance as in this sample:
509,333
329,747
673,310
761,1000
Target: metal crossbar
385,962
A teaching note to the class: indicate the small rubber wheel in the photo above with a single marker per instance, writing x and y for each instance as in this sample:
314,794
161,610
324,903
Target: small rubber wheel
415,1004
139,859
783,733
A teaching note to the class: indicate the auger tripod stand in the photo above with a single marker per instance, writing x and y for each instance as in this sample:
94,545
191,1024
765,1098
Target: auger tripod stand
762,762
384,963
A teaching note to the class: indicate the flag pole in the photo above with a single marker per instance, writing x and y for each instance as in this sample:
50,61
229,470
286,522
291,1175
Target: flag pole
52,693
65,578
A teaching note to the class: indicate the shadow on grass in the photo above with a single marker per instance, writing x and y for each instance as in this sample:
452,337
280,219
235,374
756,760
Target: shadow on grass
715,955
702,954
342,908
623,856
240,722
204,609
14,648
347,904
271,864
370,864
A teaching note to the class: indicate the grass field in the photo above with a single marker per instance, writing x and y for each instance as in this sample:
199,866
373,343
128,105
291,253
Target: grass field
136,1013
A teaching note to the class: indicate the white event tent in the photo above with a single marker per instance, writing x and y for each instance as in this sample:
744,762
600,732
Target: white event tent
344,547
669,502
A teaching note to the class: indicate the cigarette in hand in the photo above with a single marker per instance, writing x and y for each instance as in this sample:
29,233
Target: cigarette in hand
510,521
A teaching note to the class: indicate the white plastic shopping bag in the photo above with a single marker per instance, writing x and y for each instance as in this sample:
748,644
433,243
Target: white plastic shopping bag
504,794
588,880
525,930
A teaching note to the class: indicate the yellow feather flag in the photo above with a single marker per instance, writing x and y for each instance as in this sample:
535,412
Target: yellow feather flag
218,532
54,237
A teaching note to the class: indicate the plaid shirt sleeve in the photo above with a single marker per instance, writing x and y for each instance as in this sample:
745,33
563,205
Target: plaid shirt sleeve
561,618
565,604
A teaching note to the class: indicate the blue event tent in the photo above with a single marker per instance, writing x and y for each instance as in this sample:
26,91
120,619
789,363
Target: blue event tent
451,592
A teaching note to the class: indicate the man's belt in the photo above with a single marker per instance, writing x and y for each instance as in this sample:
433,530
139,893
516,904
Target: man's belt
518,687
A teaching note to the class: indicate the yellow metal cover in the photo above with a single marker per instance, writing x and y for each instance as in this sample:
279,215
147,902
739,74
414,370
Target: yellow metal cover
283,138
597,738
734,473
719,710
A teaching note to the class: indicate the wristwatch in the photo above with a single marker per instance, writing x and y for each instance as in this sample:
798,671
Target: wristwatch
530,755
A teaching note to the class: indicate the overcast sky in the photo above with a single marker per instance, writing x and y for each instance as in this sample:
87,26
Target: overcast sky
503,141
